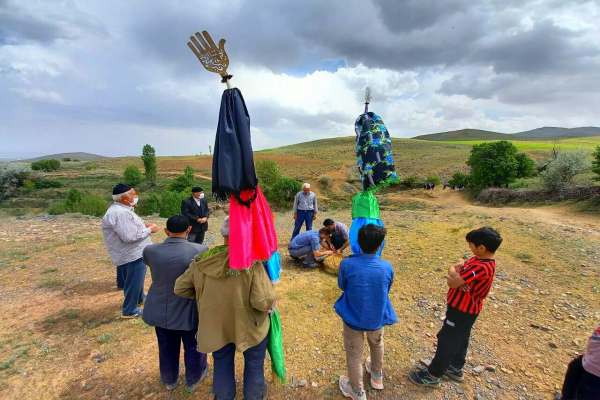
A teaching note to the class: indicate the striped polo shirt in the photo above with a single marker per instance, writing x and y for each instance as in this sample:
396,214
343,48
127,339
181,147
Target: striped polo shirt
478,275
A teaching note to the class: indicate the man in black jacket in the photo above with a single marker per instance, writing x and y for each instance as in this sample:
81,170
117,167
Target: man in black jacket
195,209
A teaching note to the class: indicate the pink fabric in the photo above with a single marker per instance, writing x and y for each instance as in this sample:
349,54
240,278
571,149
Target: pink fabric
252,235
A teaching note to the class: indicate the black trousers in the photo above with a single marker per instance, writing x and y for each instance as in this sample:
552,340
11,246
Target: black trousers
580,384
169,345
196,237
453,342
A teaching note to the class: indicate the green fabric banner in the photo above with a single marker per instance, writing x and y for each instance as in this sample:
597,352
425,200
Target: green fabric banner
365,205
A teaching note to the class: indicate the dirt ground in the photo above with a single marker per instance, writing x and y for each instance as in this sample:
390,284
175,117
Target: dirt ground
61,338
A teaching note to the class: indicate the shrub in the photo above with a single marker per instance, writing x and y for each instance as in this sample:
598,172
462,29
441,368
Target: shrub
493,164
459,179
525,166
325,181
10,181
149,159
148,205
45,165
78,202
560,173
411,182
283,192
91,166
57,208
132,175
170,203
433,179
596,163
74,196
46,184
268,173
183,182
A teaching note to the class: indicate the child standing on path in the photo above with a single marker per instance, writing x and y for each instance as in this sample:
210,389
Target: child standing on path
365,308
469,285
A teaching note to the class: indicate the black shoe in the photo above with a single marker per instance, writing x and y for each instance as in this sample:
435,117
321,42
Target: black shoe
422,377
454,374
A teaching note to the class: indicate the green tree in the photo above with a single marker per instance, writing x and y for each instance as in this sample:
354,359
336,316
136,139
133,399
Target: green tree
184,181
459,179
493,164
563,169
283,191
525,166
149,159
596,163
268,172
132,175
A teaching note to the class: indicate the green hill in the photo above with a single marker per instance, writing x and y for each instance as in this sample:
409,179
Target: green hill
544,133
465,134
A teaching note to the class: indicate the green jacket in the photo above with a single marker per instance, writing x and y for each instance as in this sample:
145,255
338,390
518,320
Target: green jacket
232,305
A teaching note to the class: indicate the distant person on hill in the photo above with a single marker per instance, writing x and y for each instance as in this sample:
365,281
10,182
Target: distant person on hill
305,209
582,380
339,235
469,284
233,315
307,247
365,308
195,208
175,319
125,237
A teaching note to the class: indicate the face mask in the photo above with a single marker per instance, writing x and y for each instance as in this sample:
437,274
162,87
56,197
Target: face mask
135,201
201,196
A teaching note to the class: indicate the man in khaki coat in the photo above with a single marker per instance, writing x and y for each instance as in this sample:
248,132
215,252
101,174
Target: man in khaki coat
233,315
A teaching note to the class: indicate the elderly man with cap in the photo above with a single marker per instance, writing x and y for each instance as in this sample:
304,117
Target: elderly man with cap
305,209
174,318
233,315
195,208
125,236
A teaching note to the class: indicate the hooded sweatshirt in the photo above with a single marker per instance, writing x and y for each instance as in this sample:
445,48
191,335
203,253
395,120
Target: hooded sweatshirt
232,305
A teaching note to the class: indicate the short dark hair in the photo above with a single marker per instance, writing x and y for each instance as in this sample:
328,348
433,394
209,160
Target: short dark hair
328,222
370,237
177,224
486,236
324,230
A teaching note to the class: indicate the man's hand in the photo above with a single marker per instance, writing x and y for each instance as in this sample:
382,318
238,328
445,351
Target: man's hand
295,216
314,216
153,227
201,220
454,279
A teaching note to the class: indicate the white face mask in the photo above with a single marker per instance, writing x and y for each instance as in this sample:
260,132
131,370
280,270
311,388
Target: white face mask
135,201
201,196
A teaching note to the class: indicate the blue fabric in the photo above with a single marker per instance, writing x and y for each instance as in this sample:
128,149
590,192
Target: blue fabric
273,267
358,223
254,375
169,346
135,272
121,277
308,238
366,280
303,217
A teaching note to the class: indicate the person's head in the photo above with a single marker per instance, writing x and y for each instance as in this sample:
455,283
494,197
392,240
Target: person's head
324,233
225,230
178,226
125,194
306,187
370,238
197,192
329,224
484,242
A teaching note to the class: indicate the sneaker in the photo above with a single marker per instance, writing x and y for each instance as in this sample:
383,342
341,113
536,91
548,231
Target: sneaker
171,386
422,377
454,374
376,378
136,314
193,386
347,391
310,265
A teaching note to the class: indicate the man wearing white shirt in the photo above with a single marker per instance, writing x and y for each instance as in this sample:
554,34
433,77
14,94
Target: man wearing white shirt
125,236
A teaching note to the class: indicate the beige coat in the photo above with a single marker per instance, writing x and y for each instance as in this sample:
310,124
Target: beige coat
232,305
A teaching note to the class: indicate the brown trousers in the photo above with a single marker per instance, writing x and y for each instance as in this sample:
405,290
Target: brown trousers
353,344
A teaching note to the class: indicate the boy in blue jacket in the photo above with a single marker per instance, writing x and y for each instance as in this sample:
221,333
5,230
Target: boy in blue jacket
365,308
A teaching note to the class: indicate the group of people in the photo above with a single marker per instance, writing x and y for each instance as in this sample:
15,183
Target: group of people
196,300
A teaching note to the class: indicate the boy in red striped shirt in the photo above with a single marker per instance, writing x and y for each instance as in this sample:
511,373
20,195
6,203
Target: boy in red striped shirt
469,285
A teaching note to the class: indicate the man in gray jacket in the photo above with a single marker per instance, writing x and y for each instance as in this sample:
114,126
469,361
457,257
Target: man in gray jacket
125,236
175,318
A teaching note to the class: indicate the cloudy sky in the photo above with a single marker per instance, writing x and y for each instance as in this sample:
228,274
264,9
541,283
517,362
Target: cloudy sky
109,76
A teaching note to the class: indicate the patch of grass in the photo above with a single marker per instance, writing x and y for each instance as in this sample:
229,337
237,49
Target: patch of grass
105,338
49,270
524,257
51,283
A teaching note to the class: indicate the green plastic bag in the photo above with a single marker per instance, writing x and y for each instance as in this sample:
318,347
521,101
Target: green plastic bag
275,347
365,205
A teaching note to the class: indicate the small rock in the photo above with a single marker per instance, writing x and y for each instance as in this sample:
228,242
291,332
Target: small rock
490,368
553,345
302,383
478,369
314,384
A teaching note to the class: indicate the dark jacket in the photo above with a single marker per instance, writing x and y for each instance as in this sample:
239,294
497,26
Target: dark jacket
192,211
167,261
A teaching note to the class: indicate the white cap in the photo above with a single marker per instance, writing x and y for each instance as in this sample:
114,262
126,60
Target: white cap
306,186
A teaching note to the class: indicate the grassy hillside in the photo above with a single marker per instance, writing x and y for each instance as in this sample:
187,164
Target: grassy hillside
77,156
465,134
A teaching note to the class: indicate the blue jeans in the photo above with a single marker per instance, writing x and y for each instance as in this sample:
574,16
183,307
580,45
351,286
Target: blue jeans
254,378
169,346
303,217
306,254
134,273
121,276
